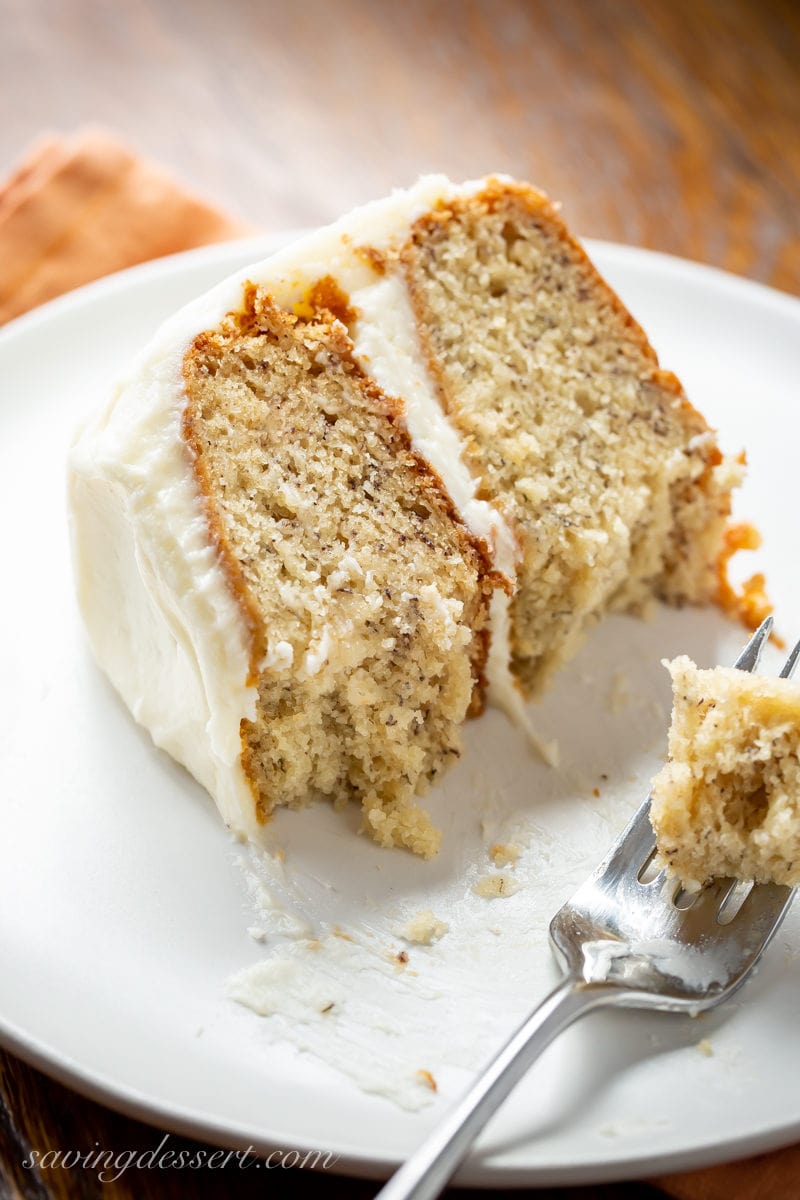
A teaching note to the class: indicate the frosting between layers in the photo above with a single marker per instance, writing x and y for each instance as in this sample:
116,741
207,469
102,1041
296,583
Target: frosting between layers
161,616
387,343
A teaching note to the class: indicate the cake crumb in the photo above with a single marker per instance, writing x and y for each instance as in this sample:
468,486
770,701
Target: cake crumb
426,1078
492,887
425,928
750,604
504,854
704,1046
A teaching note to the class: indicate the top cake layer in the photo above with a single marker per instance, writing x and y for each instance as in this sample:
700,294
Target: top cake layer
460,325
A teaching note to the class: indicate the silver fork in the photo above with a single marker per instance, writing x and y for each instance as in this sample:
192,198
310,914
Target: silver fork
626,939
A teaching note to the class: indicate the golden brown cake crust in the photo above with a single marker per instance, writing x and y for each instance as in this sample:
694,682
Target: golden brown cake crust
750,604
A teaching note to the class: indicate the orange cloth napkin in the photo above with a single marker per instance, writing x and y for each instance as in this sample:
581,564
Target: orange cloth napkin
80,207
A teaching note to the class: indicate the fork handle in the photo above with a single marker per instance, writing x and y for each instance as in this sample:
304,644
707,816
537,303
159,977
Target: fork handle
425,1174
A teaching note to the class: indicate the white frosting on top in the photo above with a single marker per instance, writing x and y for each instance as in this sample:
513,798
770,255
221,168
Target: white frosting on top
161,616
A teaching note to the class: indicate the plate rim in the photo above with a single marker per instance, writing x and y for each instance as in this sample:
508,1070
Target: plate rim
353,1159
264,243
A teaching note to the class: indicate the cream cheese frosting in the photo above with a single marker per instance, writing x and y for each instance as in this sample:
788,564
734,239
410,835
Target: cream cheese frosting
161,616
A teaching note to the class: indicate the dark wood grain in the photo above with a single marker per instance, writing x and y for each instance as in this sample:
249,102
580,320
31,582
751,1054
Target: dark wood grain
672,125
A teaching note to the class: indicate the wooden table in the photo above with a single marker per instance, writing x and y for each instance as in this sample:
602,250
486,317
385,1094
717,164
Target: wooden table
668,125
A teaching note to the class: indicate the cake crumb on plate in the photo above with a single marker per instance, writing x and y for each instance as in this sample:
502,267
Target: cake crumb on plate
504,854
425,928
492,887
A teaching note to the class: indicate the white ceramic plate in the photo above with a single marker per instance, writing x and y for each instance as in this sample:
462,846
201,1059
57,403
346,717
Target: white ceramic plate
123,910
